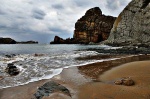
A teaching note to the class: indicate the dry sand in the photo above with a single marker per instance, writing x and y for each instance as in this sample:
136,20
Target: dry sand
94,81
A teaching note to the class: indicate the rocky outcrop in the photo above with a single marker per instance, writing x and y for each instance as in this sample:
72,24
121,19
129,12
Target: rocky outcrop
7,41
132,27
59,40
93,26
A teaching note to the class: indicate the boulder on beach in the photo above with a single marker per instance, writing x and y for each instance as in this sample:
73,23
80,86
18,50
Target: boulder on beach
49,88
125,81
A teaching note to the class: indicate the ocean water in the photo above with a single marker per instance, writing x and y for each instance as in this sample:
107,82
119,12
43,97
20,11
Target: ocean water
50,62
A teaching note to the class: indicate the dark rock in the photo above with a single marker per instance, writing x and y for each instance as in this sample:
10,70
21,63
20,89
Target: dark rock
49,88
59,40
37,55
10,56
7,41
125,81
93,26
12,70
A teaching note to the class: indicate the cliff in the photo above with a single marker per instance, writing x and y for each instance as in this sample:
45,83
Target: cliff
93,26
132,26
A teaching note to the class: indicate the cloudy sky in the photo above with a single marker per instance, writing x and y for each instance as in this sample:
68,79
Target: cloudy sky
41,20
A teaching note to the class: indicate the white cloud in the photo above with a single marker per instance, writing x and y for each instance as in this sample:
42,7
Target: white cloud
36,17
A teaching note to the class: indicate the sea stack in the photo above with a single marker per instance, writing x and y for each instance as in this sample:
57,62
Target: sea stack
93,26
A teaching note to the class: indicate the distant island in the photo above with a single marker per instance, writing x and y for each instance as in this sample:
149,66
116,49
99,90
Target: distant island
12,41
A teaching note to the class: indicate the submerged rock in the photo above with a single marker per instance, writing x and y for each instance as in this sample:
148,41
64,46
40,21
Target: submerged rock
125,81
49,88
10,56
12,70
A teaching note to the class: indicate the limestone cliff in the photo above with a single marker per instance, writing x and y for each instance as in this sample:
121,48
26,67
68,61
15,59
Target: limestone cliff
93,26
132,25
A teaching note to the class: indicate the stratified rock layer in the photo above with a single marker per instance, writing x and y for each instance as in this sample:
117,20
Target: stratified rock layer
132,25
93,26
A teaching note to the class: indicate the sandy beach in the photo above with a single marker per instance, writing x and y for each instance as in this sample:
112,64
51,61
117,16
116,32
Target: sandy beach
94,81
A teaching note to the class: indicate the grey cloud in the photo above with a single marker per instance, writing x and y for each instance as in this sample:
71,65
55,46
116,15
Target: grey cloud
38,14
81,3
112,5
57,6
2,12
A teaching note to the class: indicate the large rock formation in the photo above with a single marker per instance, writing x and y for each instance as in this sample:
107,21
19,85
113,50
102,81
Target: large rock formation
132,26
59,40
93,26
7,41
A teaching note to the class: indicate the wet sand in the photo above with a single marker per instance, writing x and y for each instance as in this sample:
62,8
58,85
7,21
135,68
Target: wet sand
139,72
92,81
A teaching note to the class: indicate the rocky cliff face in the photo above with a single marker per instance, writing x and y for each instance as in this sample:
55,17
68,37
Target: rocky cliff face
93,26
132,25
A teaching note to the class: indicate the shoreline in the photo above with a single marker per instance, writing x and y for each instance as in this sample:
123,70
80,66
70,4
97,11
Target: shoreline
72,78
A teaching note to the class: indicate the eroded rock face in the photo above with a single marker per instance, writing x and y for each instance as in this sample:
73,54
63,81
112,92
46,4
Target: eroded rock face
93,26
133,24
